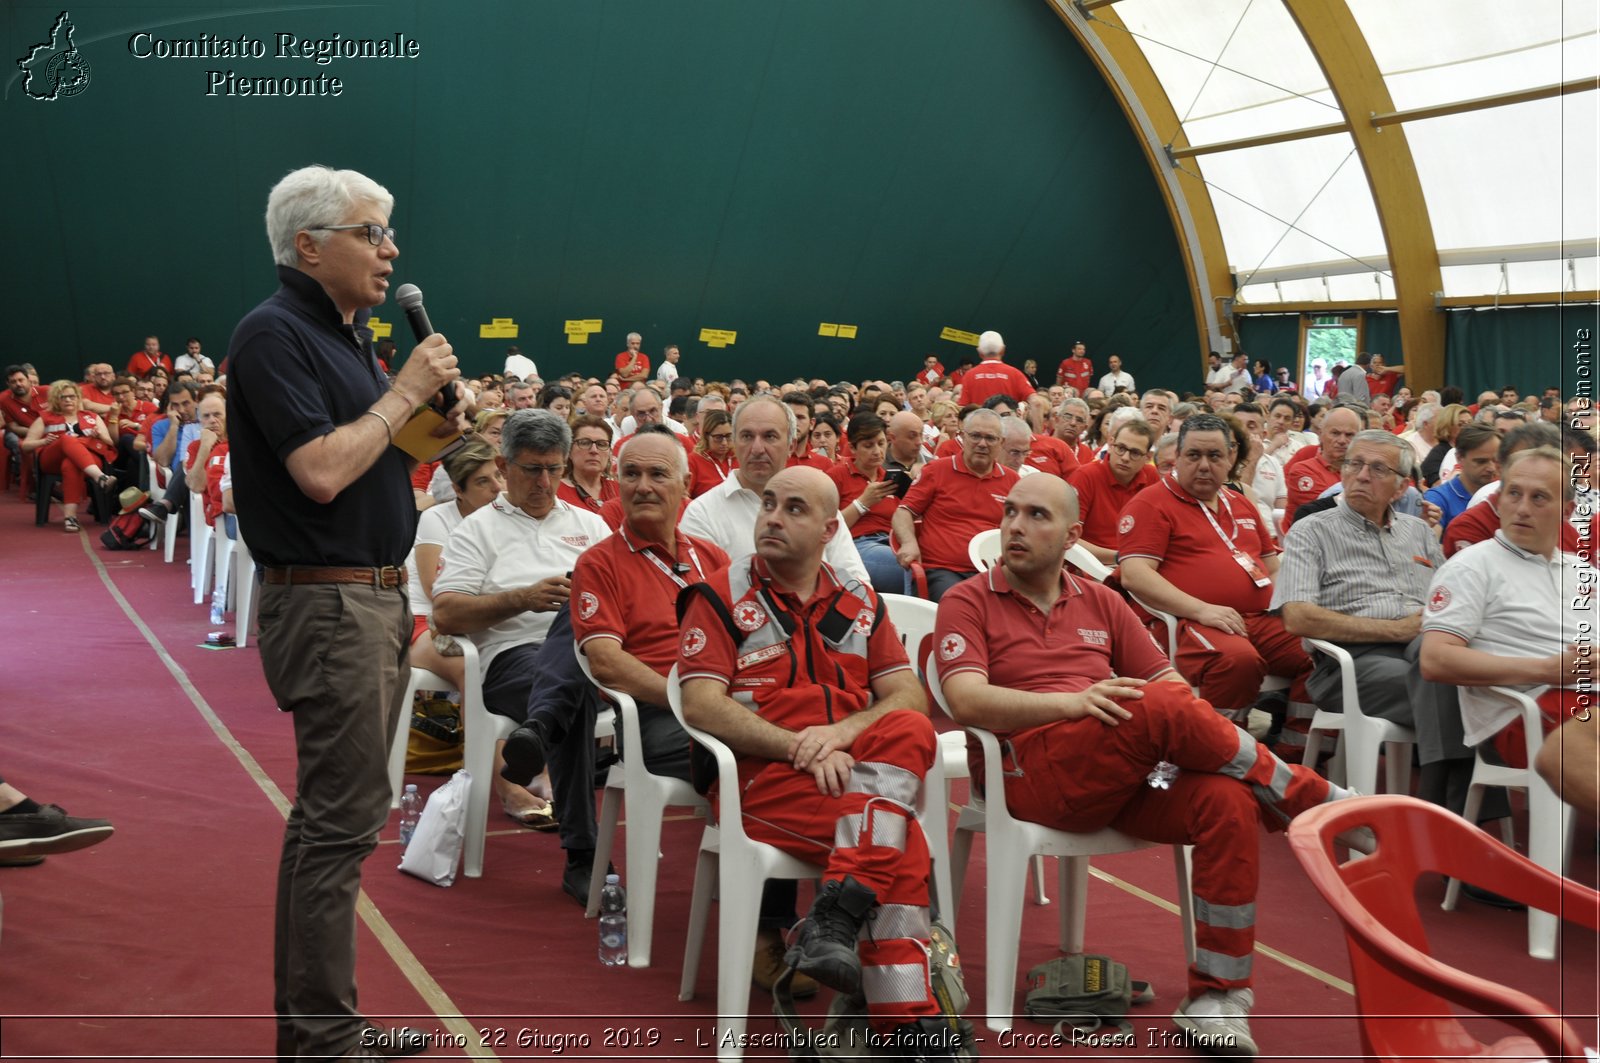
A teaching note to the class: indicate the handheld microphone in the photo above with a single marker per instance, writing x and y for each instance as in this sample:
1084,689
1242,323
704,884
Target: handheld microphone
409,296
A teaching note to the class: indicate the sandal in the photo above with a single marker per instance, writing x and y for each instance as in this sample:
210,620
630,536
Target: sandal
541,817
70,524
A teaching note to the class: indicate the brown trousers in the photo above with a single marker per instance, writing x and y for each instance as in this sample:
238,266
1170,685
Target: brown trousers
335,655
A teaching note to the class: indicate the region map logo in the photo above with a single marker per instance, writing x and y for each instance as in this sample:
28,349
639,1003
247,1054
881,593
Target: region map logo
55,69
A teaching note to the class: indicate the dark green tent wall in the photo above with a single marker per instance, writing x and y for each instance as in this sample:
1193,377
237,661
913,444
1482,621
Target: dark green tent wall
664,167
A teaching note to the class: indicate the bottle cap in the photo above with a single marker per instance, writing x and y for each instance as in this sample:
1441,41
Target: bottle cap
612,880
411,787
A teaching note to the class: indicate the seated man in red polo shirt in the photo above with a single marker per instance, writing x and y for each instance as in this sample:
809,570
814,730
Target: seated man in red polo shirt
1105,734
956,497
1106,487
1197,549
805,678
623,590
1309,474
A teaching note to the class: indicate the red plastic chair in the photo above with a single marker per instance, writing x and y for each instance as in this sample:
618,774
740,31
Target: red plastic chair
1403,995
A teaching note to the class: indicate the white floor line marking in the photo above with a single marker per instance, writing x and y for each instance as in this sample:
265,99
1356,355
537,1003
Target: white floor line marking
1265,950
432,992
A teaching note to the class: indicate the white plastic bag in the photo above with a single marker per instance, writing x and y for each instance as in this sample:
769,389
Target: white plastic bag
435,849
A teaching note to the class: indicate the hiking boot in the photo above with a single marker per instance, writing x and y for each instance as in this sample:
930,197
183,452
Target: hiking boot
768,966
1220,1022
526,752
825,941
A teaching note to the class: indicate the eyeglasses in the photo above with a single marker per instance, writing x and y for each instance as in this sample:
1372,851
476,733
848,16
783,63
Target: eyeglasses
1128,452
376,234
1377,468
588,444
721,437
552,471
981,438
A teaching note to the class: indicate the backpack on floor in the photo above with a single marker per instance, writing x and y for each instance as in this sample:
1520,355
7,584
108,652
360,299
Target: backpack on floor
846,1034
127,532
1084,992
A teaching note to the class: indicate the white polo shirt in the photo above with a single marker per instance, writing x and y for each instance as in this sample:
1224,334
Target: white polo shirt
433,529
727,514
500,548
1503,600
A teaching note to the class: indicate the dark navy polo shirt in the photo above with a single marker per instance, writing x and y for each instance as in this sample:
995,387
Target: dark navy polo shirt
296,372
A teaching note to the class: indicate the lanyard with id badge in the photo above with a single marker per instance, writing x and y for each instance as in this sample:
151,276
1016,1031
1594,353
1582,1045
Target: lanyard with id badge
1252,567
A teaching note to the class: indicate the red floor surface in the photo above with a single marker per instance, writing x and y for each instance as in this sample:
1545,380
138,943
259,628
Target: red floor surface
157,943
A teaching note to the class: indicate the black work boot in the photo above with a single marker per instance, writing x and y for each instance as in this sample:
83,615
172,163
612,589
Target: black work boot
825,941
526,752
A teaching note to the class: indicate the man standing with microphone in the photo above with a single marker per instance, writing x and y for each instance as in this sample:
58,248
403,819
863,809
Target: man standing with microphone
327,505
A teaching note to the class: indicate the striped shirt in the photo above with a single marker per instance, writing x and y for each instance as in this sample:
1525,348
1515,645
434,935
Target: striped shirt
1342,562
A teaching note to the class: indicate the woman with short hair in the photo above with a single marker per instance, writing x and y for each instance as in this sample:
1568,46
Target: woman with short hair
72,443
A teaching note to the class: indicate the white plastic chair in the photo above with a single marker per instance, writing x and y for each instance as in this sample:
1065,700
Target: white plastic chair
1011,842
222,586
984,549
244,591
483,729
421,679
169,529
735,867
1361,737
648,798
1550,821
200,536
1087,563
155,489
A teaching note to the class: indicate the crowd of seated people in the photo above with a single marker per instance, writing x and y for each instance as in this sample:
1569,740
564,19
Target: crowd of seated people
1255,517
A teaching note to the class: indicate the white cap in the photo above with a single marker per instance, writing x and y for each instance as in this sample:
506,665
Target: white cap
991,343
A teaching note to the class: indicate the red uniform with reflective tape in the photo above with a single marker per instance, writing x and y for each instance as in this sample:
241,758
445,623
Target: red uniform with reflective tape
772,652
1082,775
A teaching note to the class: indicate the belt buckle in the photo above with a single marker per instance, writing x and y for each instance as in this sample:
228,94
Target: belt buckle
386,572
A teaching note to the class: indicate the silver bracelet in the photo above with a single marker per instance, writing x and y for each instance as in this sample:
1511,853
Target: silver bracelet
387,426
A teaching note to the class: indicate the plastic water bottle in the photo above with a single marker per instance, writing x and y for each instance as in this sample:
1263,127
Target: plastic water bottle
613,923
410,812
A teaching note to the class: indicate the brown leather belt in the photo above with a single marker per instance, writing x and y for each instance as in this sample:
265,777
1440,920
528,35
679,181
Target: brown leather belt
387,576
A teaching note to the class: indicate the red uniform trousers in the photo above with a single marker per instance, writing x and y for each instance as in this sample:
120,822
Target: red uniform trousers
1082,775
67,457
1556,704
1227,669
871,834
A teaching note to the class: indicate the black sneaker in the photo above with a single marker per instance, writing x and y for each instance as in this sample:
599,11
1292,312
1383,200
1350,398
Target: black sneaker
526,753
825,940
154,511
49,830
579,870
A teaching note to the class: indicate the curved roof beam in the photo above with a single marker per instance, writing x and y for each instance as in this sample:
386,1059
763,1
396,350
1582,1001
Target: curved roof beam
1148,109
1341,50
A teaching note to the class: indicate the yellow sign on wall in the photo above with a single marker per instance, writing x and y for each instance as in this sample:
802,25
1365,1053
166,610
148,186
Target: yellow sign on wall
500,328
826,329
381,330
718,337
956,335
847,332
578,331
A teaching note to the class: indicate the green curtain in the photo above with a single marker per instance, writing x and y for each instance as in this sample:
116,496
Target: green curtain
1381,333
1273,337
1530,348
